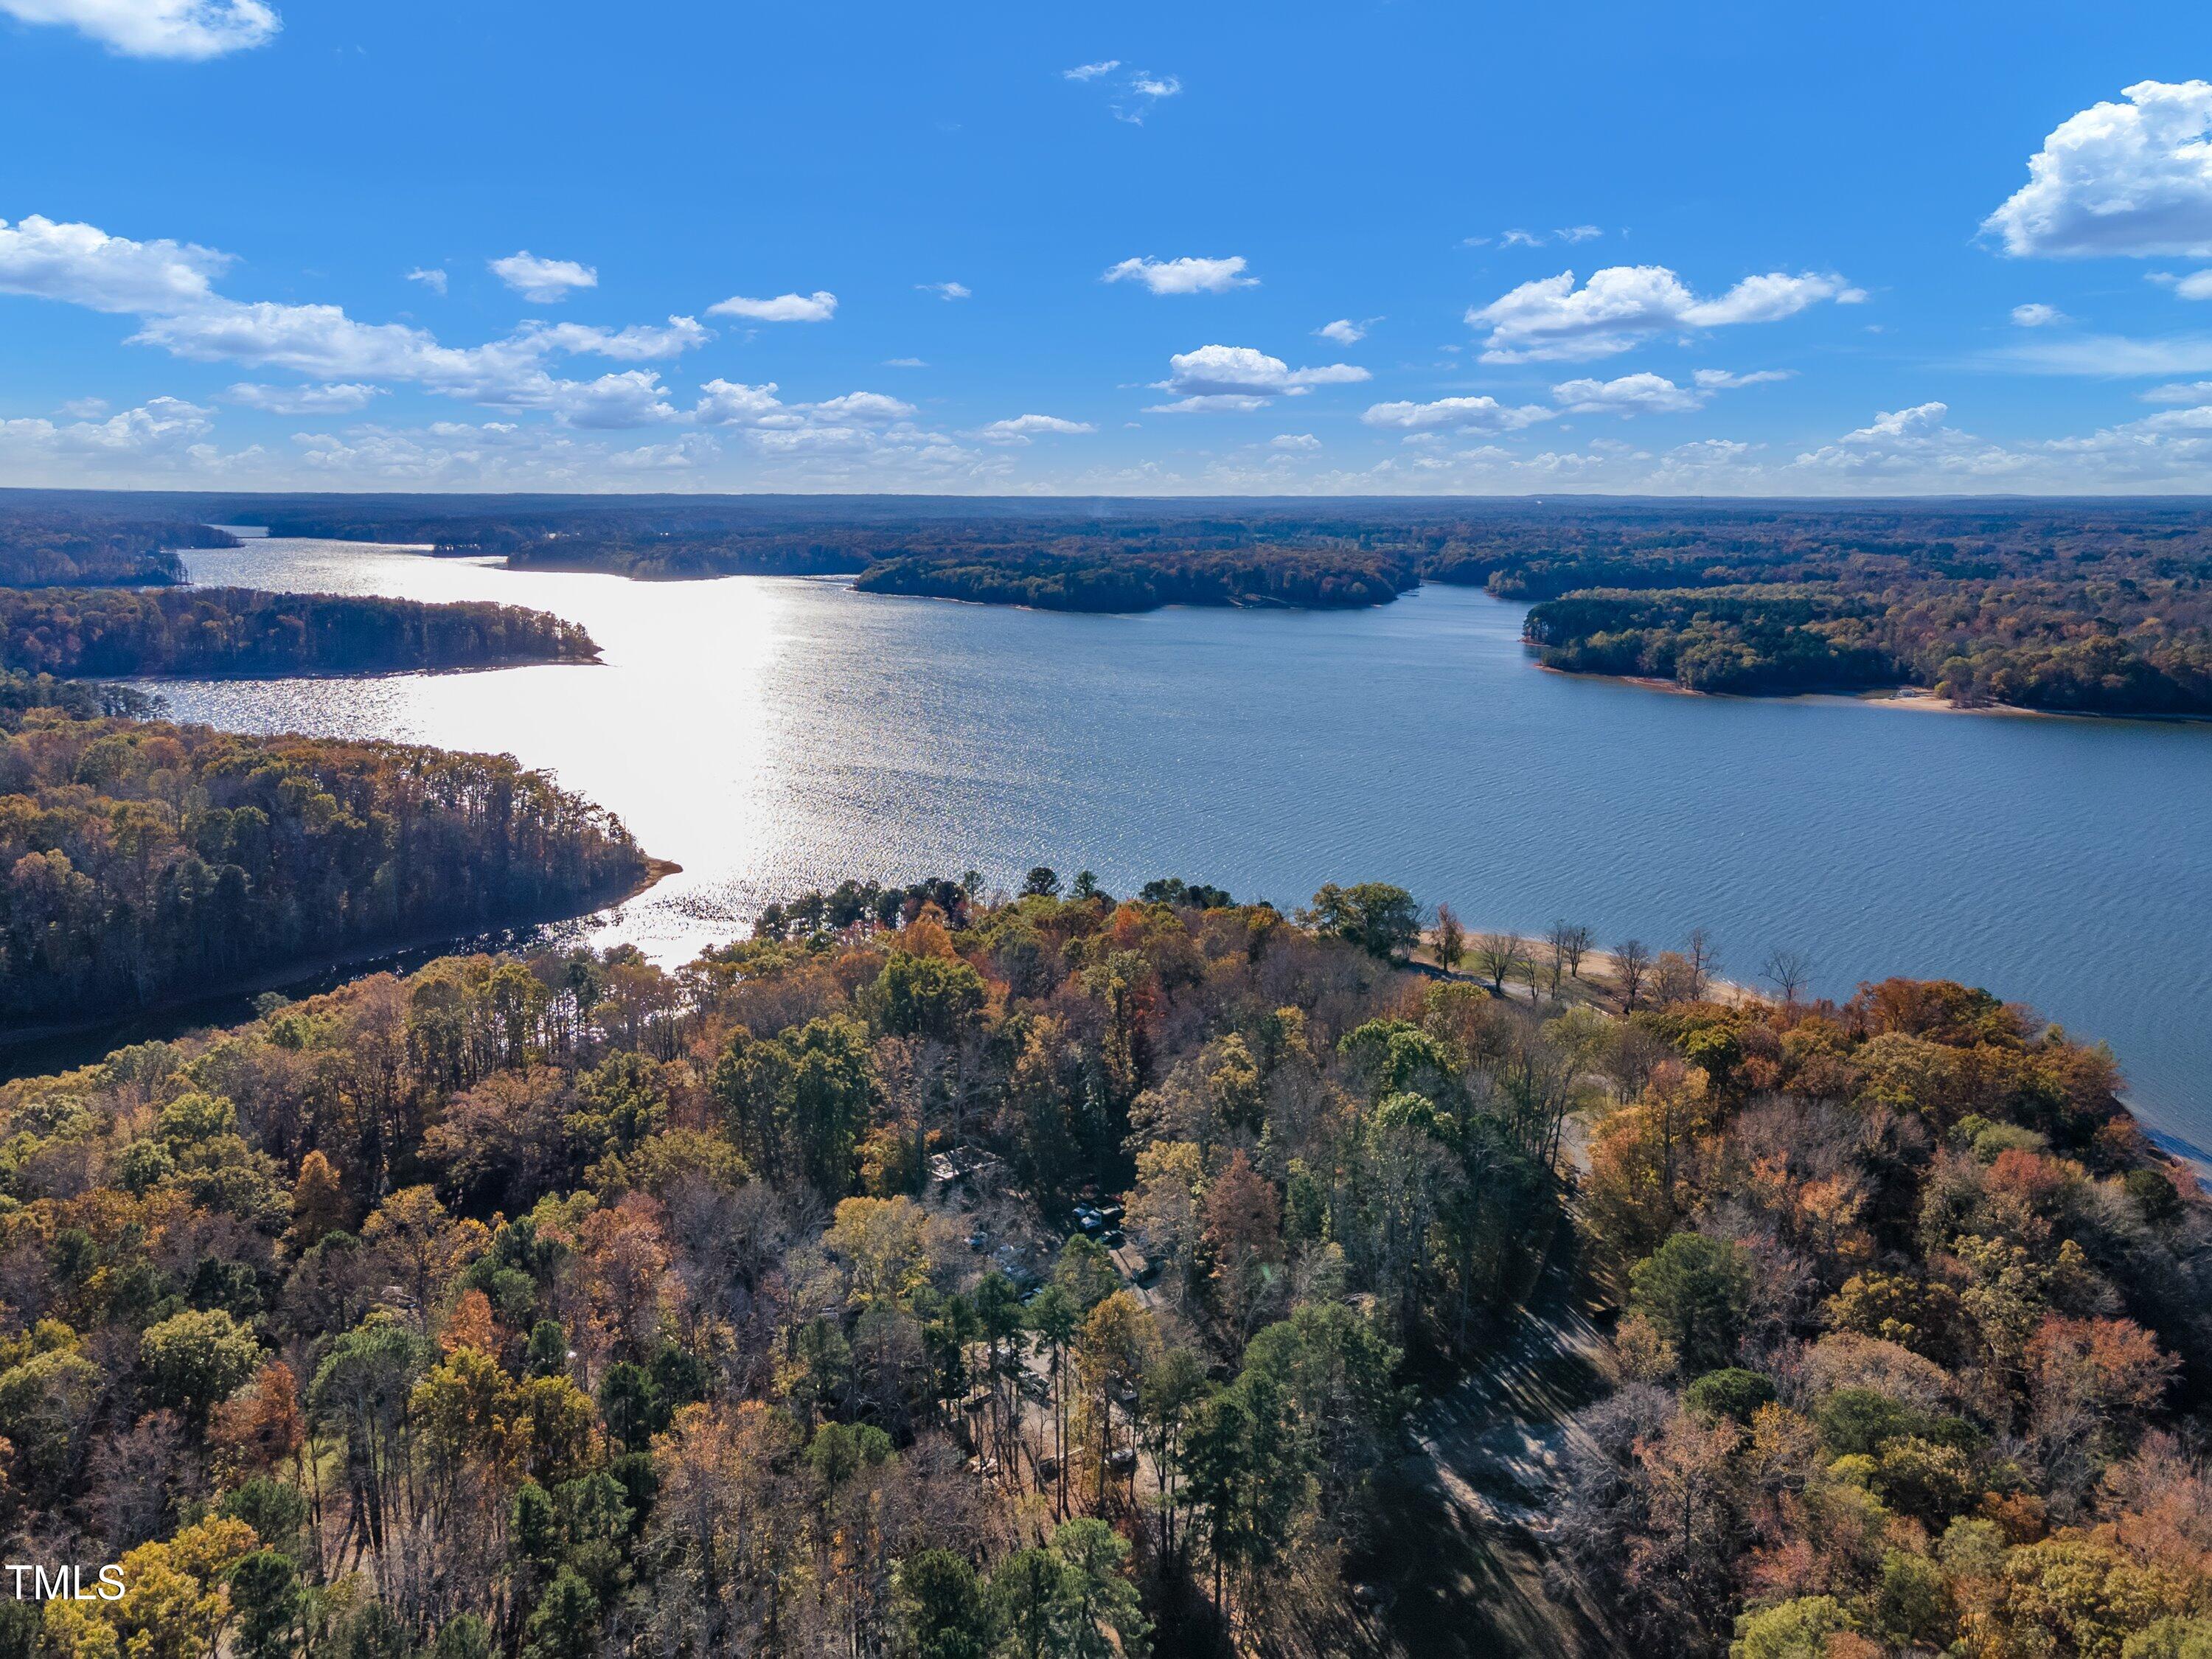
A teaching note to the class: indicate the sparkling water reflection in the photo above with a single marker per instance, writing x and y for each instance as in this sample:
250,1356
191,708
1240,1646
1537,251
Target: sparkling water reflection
771,734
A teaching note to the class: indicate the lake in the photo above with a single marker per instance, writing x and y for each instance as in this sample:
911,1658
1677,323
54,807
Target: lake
774,734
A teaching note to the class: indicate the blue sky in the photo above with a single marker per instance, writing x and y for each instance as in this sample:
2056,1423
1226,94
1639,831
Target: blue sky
1711,250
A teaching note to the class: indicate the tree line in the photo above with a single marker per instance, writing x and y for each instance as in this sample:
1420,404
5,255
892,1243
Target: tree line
85,541
141,860
234,631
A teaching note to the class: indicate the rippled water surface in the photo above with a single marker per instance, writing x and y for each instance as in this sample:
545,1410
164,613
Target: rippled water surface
772,734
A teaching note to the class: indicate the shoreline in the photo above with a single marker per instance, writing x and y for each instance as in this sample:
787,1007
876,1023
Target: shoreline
176,1013
1916,698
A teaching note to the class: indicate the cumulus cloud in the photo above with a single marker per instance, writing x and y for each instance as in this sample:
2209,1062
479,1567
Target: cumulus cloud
2196,392
640,343
342,398
193,29
818,306
1295,442
1023,427
1344,331
2196,285
1240,378
2132,179
1631,394
1622,305
162,431
1092,72
946,290
87,267
1184,276
2038,315
859,407
167,285
1460,414
1915,442
431,276
542,281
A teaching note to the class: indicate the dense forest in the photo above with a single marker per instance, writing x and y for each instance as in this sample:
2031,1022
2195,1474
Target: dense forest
237,632
946,1273
2093,606
79,543
1101,580
140,861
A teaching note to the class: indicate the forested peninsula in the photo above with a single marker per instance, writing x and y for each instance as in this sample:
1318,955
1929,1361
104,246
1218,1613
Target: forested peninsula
235,632
140,862
69,543
946,1271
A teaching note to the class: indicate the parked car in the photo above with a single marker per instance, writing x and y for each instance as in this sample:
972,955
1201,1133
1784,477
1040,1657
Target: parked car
1114,1241
1121,1461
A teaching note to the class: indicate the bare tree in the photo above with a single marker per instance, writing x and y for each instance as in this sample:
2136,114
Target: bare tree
1500,954
1631,960
1788,972
1451,938
1572,941
1705,963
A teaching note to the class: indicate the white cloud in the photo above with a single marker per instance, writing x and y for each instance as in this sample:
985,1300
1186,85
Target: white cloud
1520,238
818,306
1141,93
1914,441
84,408
640,342
1022,428
195,29
2115,355
1344,331
2132,179
861,408
431,276
2197,285
1184,276
1295,442
542,281
2039,315
342,398
1579,233
904,362
946,290
1460,414
162,431
166,284
87,267
1621,305
1239,378
1631,394
1210,403
728,403
1092,72
1715,379
2199,392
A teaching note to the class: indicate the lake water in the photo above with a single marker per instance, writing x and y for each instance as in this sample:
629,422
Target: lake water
774,734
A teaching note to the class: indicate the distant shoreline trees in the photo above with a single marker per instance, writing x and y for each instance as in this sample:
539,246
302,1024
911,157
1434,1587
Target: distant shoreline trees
220,632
